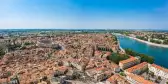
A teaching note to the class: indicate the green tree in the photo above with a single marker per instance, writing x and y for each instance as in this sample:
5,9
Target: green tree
155,41
116,57
159,77
27,43
122,74
165,41
2,52
144,58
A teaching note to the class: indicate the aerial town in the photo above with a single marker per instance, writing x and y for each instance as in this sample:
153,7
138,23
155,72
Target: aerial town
78,58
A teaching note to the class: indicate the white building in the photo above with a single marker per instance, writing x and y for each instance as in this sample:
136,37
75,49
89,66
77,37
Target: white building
158,70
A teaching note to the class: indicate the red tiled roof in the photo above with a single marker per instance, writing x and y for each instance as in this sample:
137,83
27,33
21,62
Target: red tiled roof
159,67
99,68
113,65
117,77
139,79
137,67
128,60
62,68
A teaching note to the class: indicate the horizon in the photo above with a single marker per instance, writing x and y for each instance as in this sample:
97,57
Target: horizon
81,29
84,14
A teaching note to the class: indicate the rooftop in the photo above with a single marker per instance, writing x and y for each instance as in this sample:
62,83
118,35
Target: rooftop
117,78
128,60
62,68
160,68
137,67
139,79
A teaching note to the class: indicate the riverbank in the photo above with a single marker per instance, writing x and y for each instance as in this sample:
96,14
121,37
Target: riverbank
149,43
121,48
159,53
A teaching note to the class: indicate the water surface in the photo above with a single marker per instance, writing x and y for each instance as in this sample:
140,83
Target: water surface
160,54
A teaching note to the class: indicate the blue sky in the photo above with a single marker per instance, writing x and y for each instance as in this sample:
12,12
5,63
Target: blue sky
97,14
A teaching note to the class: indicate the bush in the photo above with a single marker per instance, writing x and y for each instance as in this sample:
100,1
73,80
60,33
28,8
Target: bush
27,43
159,77
122,74
152,74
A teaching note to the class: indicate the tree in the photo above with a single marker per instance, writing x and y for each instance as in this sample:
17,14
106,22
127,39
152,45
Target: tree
165,41
144,58
155,41
152,74
27,43
116,57
2,52
159,77
13,47
142,38
122,74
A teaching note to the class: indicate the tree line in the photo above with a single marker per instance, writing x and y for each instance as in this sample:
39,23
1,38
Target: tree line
144,58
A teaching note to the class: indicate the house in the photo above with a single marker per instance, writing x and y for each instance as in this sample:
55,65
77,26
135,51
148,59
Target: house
129,62
135,79
61,71
106,54
116,79
114,67
91,64
102,75
98,54
79,63
137,69
99,73
158,70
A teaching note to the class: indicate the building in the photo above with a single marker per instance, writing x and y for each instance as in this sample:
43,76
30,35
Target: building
98,54
135,79
99,73
102,75
137,69
61,71
114,67
116,79
158,70
129,62
79,63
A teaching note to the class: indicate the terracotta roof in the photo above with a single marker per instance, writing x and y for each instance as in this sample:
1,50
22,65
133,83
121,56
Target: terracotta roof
62,68
118,78
113,65
3,80
97,53
108,53
137,67
128,60
160,68
139,79
99,68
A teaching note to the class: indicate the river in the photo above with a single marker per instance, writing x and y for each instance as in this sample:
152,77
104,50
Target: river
160,54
